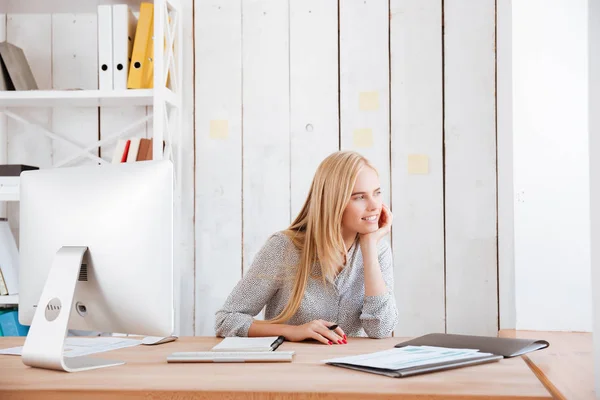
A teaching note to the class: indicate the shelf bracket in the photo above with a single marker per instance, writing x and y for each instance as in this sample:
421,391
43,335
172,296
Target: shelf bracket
81,151
108,139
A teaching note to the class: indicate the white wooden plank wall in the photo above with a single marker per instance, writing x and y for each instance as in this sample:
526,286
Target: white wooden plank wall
417,165
218,124
26,145
264,111
314,116
364,83
470,158
74,66
266,123
186,261
506,213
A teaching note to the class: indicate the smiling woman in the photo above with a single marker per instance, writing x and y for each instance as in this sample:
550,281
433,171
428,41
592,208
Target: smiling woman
331,266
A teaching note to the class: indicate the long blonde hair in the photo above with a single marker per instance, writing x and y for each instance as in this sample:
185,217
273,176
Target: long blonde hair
316,231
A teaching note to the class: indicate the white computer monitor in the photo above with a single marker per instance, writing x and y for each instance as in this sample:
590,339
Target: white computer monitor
96,253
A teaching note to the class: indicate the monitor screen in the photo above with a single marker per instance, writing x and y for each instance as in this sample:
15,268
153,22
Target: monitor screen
123,214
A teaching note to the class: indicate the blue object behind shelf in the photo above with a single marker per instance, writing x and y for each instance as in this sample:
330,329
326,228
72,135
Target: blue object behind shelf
9,324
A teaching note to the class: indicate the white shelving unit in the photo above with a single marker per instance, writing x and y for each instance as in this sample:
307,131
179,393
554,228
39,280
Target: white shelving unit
165,100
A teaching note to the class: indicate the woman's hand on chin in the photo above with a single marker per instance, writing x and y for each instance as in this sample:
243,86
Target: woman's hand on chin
385,225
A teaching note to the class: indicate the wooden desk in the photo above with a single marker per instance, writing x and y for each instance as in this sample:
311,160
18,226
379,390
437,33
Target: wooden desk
566,368
147,375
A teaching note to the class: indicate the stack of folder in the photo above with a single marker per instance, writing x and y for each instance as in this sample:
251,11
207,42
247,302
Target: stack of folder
125,47
437,352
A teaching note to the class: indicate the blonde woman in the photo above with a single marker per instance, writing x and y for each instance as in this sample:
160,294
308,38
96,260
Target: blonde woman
332,266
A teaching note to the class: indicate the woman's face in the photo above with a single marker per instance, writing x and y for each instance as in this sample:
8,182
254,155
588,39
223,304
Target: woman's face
362,212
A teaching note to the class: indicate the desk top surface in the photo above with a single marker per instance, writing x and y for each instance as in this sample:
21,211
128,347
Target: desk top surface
566,367
146,374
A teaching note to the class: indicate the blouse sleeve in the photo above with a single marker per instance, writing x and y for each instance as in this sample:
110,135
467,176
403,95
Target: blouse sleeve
253,291
379,313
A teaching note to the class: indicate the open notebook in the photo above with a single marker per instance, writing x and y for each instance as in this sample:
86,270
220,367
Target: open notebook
267,343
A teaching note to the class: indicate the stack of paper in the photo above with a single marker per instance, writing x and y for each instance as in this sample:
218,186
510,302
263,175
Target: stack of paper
412,360
268,343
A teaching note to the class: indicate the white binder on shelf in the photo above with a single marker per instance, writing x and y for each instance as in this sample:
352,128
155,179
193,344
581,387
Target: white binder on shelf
105,51
123,33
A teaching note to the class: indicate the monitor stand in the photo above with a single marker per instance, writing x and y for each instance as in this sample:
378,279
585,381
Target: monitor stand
46,338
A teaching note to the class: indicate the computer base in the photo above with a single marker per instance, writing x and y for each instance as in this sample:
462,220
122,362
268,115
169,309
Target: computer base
74,364
46,338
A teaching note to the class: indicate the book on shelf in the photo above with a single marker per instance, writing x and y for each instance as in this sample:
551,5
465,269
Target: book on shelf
134,149
16,72
141,69
3,288
116,32
15,169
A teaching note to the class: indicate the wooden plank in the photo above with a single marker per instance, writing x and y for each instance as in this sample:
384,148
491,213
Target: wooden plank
470,162
506,215
314,116
186,260
417,165
218,120
26,145
74,66
266,137
364,83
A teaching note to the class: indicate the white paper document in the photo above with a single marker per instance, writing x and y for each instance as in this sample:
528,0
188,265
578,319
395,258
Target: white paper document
75,347
247,343
408,356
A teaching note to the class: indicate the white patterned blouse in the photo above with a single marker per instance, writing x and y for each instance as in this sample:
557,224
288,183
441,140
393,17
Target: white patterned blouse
269,282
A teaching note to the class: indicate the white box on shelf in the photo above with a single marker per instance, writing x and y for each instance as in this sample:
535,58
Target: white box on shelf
9,188
10,300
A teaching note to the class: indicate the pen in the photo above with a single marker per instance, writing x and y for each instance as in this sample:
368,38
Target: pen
334,326
277,342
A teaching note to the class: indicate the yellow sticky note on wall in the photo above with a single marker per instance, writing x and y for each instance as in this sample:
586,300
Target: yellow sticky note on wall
219,129
368,101
418,164
362,137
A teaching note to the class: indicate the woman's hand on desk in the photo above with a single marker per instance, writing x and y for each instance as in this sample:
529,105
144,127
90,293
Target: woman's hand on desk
318,330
